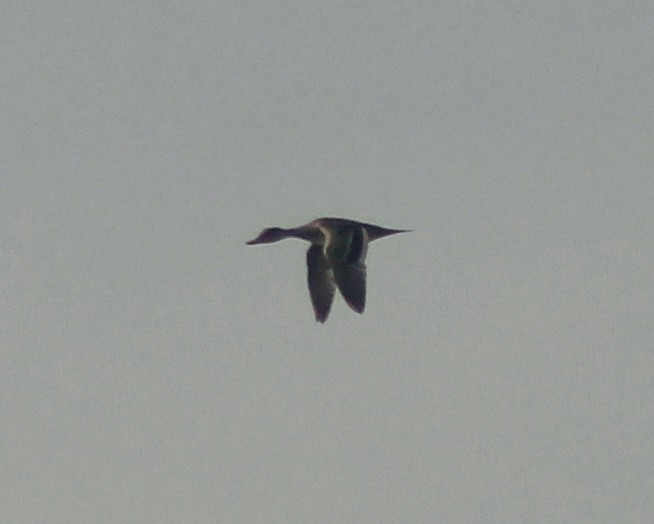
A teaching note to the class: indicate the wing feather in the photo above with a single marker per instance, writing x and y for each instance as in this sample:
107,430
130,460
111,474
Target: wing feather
351,281
321,282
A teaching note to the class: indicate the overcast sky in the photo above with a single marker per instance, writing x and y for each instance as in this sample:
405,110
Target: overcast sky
154,368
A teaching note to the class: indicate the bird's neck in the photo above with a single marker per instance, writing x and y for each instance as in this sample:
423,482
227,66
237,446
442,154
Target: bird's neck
310,235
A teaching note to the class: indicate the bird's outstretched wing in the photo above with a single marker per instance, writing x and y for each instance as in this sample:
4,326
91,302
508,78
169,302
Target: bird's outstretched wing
351,281
321,282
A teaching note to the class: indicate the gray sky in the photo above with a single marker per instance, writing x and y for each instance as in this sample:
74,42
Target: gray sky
157,369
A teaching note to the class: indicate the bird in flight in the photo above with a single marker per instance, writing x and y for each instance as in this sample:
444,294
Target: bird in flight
334,259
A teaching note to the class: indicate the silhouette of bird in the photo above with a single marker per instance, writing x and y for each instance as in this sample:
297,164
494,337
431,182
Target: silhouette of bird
334,259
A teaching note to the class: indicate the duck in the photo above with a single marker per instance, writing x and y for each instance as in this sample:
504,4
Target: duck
335,258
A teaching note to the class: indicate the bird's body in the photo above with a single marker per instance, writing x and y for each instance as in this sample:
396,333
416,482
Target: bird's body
335,258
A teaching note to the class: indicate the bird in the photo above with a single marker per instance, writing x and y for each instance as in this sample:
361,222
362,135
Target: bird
335,258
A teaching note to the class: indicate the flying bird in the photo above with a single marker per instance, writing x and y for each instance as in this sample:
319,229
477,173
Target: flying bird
334,259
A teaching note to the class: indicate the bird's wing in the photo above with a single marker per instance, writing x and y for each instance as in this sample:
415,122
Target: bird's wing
321,282
351,281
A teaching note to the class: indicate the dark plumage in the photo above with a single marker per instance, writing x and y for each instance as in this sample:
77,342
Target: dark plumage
334,259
